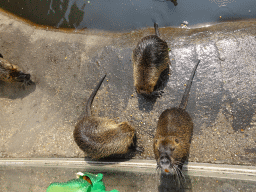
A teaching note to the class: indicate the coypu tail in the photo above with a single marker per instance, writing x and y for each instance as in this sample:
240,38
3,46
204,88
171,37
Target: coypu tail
184,101
156,29
90,100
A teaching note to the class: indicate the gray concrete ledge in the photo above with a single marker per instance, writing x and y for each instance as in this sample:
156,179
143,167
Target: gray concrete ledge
143,166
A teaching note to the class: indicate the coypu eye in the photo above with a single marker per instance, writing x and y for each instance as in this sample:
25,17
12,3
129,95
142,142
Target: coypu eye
177,140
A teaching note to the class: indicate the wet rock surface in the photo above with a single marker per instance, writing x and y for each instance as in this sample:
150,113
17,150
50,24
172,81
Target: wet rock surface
65,66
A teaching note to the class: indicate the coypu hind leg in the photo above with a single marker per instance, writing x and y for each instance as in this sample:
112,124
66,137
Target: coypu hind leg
161,83
102,137
115,141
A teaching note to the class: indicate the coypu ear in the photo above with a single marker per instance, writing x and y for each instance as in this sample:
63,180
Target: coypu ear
158,139
1,55
176,140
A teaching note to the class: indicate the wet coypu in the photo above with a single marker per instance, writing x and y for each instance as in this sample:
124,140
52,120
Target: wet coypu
102,137
12,73
173,136
150,58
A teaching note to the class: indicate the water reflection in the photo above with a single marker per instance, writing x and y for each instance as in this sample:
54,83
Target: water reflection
222,3
24,179
170,183
128,15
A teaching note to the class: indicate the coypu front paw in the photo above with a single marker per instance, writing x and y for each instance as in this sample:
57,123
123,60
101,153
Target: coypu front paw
139,149
157,93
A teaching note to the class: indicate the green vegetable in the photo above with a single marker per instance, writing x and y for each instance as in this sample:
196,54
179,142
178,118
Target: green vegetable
86,182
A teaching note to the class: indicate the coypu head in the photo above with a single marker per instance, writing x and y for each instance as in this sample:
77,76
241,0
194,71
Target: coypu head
21,77
13,73
169,154
145,90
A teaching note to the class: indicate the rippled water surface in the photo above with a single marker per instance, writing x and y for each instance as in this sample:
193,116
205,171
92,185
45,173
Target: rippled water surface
128,14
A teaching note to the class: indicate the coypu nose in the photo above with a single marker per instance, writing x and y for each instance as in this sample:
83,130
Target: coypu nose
142,91
164,161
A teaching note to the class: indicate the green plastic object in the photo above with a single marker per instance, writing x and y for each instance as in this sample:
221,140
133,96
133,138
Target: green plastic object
86,182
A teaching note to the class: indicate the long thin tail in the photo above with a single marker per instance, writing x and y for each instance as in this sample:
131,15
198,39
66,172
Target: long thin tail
184,101
90,100
156,29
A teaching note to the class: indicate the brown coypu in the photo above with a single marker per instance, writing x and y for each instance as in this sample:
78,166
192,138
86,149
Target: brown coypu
173,135
102,137
150,58
12,73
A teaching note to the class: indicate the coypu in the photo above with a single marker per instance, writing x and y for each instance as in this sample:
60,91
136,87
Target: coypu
173,135
12,73
150,58
102,137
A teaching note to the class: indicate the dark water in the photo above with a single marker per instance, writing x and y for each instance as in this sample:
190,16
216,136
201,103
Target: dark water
24,179
128,14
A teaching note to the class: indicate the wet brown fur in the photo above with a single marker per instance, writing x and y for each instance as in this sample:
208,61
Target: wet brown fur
102,137
12,73
150,58
173,135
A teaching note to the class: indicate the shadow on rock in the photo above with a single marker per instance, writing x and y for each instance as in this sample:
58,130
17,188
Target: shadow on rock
15,90
239,113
